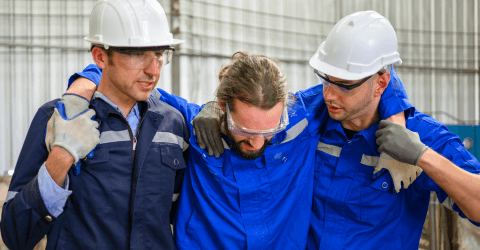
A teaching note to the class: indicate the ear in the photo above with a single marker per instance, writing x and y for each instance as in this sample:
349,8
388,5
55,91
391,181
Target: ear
381,84
100,57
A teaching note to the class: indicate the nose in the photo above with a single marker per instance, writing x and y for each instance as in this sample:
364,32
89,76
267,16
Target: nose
328,92
154,67
256,142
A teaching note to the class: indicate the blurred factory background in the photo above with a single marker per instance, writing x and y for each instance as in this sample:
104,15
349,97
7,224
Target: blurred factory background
41,45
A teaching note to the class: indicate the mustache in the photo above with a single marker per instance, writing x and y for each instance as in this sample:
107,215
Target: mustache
332,103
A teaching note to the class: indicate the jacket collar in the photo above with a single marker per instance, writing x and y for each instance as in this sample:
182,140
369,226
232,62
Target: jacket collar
368,134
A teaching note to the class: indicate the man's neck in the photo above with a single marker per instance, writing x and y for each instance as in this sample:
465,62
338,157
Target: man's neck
124,103
363,122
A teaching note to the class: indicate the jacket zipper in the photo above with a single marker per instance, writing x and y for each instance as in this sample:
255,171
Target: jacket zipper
130,132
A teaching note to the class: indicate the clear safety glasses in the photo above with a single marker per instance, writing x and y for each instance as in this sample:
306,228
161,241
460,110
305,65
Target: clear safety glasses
142,58
345,89
253,132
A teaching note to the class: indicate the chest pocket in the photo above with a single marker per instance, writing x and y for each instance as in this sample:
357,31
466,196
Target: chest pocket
211,176
379,199
160,168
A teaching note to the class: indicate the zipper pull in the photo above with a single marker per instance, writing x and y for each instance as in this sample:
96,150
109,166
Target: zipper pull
134,143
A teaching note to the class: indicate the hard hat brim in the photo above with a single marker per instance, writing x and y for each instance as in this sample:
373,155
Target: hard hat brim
168,43
341,73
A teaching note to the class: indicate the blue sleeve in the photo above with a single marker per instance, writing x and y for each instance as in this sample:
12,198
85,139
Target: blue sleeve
438,138
91,72
25,218
394,99
53,196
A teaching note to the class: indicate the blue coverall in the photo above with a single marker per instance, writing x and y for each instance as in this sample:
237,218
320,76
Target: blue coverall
356,209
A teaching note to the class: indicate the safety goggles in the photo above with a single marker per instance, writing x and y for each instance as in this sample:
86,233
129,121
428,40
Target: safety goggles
345,89
238,130
142,58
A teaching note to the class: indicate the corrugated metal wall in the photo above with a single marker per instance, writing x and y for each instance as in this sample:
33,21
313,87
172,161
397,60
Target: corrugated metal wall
41,44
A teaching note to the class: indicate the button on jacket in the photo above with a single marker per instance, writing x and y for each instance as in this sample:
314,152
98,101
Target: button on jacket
355,209
120,200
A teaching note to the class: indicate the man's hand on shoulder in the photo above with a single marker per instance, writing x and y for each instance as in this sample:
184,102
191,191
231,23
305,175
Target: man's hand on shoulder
400,151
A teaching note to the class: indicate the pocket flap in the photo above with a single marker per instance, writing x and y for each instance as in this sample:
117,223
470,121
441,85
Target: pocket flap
173,157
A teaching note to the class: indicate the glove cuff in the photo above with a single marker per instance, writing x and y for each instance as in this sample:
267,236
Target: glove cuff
70,149
420,155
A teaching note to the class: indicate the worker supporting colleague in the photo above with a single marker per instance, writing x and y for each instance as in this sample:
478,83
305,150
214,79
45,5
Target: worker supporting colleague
122,197
258,194
354,208
357,204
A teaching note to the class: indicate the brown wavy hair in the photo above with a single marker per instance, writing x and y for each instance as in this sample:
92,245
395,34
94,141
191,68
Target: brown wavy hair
253,79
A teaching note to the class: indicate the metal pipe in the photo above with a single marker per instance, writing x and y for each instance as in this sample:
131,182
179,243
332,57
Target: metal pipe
455,56
477,66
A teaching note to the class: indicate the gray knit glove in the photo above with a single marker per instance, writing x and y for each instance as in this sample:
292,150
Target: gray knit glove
400,143
207,129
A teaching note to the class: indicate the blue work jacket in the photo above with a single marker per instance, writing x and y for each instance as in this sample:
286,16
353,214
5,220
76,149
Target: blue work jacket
122,197
234,203
356,209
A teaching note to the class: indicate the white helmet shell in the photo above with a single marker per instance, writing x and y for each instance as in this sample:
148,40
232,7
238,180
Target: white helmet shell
358,46
129,23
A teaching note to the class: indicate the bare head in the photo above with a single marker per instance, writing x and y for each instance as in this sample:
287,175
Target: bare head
253,92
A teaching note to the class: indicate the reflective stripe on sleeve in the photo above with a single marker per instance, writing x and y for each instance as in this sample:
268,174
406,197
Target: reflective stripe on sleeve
329,149
370,160
114,136
296,130
167,137
10,195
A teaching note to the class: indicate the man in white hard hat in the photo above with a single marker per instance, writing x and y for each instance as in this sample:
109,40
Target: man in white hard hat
355,203
122,196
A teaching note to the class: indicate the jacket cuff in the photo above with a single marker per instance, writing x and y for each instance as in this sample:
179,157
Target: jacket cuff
32,196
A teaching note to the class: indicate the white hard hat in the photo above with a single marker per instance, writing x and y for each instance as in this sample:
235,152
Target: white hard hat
129,23
358,46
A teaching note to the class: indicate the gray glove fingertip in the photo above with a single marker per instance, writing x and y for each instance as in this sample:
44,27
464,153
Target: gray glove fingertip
382,124
200,142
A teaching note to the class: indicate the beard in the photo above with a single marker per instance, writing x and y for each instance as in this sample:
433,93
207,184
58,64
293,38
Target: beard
249,155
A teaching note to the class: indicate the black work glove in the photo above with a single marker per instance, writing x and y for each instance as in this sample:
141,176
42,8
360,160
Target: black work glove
207,129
